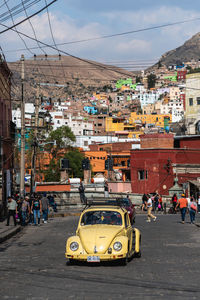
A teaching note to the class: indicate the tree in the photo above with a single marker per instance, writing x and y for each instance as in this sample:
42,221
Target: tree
151,79
138,79
75,162
58,139
52,174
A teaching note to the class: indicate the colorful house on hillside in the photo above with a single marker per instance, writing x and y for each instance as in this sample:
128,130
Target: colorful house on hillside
91,110
153,119
123,84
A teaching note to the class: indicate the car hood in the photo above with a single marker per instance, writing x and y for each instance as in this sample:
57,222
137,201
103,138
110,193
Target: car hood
97,238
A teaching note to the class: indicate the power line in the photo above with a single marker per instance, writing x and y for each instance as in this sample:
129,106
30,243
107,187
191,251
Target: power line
14,24
36,13
14,10
122,33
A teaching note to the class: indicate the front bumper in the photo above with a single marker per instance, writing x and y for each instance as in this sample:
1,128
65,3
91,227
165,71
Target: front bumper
103,257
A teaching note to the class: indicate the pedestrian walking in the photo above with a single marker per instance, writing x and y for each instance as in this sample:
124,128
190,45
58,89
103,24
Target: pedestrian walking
160,204
45,207
155,202
25,210
36,209
149,209
81,190
174,202
192,209
144,201
183,204
31,212
198,203
12,210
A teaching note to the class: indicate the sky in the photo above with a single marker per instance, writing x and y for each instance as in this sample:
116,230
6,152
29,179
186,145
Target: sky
75,20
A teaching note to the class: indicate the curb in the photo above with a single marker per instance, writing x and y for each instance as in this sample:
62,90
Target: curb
10,234
64,215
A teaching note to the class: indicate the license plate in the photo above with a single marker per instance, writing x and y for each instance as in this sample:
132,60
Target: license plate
93,259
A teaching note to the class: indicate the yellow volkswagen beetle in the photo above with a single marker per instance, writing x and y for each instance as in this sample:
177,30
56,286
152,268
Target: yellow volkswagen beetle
104,233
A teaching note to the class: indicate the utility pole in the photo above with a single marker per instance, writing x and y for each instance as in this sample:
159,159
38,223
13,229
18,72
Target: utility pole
22,161
35,140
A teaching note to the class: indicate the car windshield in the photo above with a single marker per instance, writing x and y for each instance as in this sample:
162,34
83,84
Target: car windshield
101,217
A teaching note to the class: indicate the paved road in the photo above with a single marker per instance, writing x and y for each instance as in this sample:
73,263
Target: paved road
33,266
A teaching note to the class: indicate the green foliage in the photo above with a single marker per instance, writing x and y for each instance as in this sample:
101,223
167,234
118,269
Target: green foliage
75,163
52,174
138,79
59,139
151,78
110,99
191,71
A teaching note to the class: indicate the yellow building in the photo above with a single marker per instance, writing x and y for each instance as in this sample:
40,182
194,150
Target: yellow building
156,119
192,103
100,96
120,124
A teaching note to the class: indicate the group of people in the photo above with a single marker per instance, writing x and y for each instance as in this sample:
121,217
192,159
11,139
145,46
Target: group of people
154,203
28,209
186,204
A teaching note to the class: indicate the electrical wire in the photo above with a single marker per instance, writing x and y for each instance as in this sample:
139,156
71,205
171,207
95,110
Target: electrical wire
51,31
34,33
14,13
14,24
124,33
22,21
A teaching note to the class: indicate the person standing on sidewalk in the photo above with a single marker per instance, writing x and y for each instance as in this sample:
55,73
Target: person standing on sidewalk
37,209
183,204
192,209
149,209
45,207
12,210
81,190
25,210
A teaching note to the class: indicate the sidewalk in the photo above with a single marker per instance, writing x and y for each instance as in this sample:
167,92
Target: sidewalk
7,232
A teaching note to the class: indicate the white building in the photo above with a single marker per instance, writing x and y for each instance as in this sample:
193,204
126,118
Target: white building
175,108
85,141
78,125
147,98
29,111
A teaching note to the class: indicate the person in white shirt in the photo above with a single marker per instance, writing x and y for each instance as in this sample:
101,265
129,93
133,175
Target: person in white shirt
149,209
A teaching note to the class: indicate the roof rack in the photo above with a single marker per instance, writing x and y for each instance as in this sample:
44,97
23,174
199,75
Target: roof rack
104,202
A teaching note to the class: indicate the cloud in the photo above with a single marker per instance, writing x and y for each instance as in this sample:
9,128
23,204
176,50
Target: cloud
135,46
148,44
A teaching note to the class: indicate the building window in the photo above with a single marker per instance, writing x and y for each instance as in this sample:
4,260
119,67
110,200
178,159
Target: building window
190,101
142,174
198,100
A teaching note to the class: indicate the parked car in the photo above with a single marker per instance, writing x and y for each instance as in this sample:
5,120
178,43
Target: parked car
126,202
104,233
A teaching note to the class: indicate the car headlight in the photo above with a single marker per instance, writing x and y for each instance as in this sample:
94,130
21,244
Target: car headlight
117,246
74,246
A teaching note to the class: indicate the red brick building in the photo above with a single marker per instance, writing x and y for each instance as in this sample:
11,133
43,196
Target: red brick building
155,165
181,75
6,135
